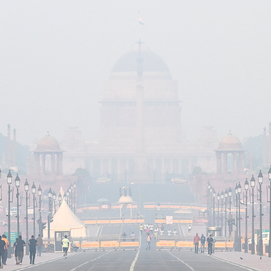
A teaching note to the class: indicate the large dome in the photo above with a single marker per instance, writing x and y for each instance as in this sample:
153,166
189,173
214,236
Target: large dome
151,62
48,143
230,143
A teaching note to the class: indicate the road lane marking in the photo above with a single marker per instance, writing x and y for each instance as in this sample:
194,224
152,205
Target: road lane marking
236,264
136,257
190,267
75,268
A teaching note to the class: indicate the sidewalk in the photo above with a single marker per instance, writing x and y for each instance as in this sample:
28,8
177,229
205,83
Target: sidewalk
249,260
45,257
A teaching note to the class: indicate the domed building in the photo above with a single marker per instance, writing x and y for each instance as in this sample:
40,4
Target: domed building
140,124
48,156
228,146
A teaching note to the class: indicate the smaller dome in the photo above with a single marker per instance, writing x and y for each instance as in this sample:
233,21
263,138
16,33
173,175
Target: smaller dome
230,143
48,143
125,200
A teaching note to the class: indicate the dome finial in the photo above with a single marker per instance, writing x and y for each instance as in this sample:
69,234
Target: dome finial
48,134
230,132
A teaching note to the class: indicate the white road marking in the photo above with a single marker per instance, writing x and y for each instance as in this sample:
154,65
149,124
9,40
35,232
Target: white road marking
190,267
75,268
236,264
136,257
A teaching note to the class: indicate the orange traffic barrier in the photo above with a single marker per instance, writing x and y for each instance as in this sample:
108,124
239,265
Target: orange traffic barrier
129,244
185,244
108,244
90,245
165,244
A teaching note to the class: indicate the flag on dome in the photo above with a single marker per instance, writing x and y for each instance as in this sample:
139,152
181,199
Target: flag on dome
141,21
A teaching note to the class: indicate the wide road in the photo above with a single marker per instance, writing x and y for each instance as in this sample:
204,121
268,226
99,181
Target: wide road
131,260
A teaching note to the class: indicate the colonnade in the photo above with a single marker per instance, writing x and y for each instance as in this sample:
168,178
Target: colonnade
53,160
222,161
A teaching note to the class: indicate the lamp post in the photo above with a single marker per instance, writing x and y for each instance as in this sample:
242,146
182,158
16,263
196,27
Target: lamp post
226,197
49,212
26,189
40,225
239,217
230,195
208,203
236,218
260,245
59,200
269,246
9,181
68,197
213,208
70,193
74,197
17,184
252,184
54,202
246,189
34,208
218,199
222,202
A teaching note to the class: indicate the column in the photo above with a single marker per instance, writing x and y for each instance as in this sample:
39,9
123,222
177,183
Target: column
180,165
241,162
234,167
37,163
53,163
225,162
43,163
218,163
101,167
171,166
59,163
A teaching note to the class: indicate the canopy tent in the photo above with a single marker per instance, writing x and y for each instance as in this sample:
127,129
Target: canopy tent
65,220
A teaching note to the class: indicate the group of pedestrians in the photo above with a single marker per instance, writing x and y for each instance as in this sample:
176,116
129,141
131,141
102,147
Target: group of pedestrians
202,240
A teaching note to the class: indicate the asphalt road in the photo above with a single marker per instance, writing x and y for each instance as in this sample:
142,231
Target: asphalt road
128,261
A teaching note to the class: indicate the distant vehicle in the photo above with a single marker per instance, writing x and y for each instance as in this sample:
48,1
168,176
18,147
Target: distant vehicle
178,181
103,180
13,211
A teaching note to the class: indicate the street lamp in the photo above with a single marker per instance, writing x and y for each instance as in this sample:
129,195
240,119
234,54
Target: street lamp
246,189
236,218
218,199
74,197
34,208
226,196
54,202
70,192
26,189
252,184
214,208
68,197
9,181
59,200
49,212
222,202
230,217
260,245
17,184
269,178
40,225
239,222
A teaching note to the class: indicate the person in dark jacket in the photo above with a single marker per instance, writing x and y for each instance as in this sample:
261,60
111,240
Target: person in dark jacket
210,241
2,251
32,249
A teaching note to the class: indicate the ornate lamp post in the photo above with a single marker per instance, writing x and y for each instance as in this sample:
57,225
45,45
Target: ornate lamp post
68,197
260,245
34,208
252,184
208,203
246,189
17,184
59,200
239,216
218,216
74,197
70,192
230,195
222,203
54,202
26,189
226,197
236,218
40,225
269,246
49,211
9,181
213,207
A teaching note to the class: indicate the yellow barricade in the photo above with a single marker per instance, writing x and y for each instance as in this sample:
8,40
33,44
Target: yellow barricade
129,244
229,244
220,245
163,243
116,221
185,244
108,244
90,245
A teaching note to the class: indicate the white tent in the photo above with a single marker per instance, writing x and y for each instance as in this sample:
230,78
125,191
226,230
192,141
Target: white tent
65,220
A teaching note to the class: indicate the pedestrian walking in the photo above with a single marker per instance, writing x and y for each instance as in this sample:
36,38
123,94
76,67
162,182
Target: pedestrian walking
202,243
39,245
65,245
2,251
32,248
15,251
210,244
147,230
196,243
20,244
148,242
124,235
5,254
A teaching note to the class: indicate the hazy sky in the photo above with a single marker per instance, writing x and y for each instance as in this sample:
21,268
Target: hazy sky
56,55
